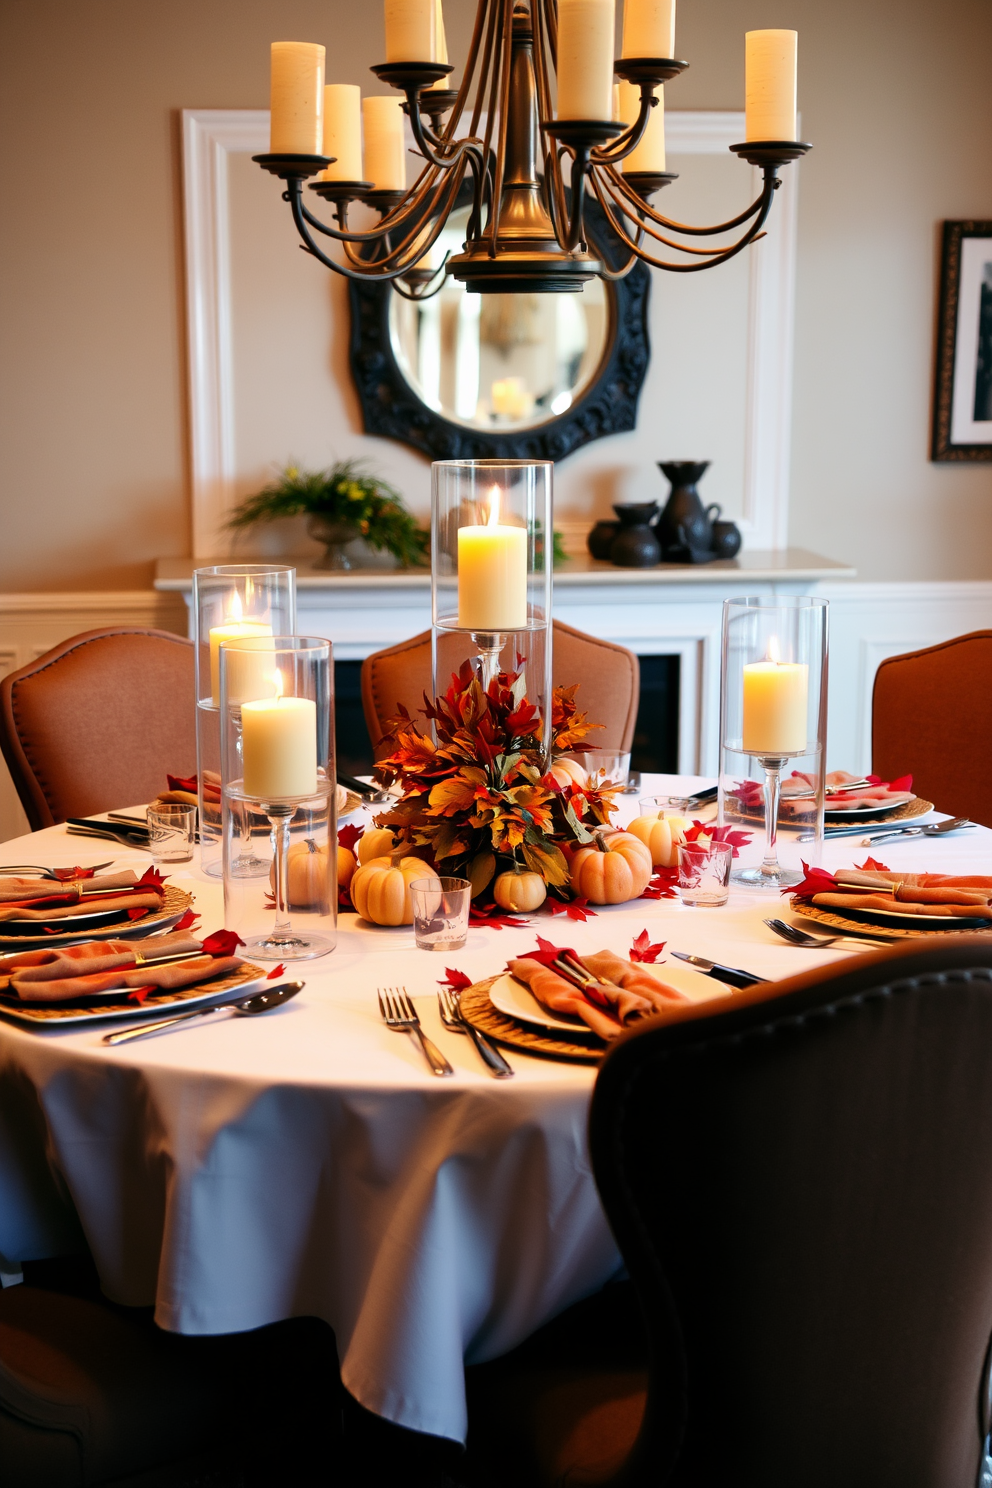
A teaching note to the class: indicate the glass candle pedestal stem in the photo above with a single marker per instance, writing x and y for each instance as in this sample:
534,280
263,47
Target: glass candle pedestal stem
489,645
771,874
247,864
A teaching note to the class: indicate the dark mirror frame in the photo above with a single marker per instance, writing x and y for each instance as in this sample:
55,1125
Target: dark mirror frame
391,407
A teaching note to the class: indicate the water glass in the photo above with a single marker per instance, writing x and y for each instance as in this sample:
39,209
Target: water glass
611,765
440,912
662,806
171,832
704,873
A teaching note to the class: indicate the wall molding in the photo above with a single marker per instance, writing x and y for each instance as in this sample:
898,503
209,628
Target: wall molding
211,136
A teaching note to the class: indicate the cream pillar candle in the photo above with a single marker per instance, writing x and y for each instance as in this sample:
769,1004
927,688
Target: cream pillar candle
279,747
775,697
441,41
648,28
343,131
385,147
770,84
296,125
411,34
585,59
252,681
492,574
650,152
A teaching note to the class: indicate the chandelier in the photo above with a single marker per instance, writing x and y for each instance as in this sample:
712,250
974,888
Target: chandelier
528,170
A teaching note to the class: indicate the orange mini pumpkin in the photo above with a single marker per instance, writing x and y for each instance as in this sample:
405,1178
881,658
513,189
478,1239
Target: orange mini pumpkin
569,772
520,892
662,836
306,874
618,870
374,842
380,889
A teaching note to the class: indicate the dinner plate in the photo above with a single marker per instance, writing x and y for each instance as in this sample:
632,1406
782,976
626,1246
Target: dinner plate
891,920
29,934
246,979
516,1000
853,814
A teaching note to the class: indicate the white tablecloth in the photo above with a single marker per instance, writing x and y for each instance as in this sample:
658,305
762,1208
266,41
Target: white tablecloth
240,1171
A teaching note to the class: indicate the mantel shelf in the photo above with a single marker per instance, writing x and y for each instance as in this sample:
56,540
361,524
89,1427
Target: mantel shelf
790,565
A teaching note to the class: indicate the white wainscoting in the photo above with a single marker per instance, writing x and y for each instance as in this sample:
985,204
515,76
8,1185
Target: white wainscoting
868,622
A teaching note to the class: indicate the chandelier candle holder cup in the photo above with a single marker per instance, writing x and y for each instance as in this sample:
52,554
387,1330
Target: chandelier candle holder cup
773,714
531,171
491,572
232,602
277,773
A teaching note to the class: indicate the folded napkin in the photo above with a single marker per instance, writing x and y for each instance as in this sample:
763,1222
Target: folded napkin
606,1010
939,895
89,904
103,965
94,956
163,978
24,890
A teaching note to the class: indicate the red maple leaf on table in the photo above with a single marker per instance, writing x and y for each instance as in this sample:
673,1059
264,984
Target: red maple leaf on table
151,879
871,866
718,834
187,921
136,914
276,971
493,916
662,886
222,943
456,980
644,950
68,875
349,836
817,881
176,782
576,909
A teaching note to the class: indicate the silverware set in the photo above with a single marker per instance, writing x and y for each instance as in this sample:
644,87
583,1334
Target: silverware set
243,1007
398,1012
881,833
450,1008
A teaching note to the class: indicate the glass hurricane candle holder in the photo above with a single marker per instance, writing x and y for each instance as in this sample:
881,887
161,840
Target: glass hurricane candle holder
230,601
492,559
773,723
278,795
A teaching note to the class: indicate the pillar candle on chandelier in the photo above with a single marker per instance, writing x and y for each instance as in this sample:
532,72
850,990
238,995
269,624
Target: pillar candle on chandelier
385,146
585,59
296,98
648,30
343,131
649,153
770,84
441,43
411,31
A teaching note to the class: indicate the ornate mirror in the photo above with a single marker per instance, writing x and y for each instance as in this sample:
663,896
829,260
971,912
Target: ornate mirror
520,376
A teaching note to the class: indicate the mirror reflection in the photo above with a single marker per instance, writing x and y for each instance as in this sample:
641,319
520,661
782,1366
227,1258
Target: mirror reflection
498,362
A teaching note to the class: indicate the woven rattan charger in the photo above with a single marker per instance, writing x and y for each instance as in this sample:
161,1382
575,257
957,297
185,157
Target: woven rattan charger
877,928
585,1048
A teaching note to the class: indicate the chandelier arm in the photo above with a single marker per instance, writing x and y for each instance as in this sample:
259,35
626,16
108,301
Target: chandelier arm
718,256
551,18
448,184
489,8
646,228
627,142
650,215
446,135
505,61
425,294
309,246
464,146
387,224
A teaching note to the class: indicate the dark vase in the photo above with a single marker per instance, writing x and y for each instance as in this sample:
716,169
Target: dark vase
726,539
684,524
600,539
635,545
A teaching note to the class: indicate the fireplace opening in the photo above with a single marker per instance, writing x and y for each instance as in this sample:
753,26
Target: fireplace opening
656,733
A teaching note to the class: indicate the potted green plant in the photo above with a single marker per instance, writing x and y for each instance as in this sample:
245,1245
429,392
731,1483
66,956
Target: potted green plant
340,504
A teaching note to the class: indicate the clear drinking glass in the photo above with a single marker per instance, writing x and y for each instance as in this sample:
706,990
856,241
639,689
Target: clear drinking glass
704,873
172,832
662,806
611,765
440,912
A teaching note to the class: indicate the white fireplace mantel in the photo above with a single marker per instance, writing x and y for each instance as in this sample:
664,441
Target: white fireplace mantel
671,610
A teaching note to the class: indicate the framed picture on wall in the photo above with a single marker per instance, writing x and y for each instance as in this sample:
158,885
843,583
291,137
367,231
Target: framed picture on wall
962,409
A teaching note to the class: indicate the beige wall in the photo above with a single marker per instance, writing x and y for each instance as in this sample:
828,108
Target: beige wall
895,96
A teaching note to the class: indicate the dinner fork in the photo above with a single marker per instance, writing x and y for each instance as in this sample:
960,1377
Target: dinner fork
816,942
398,1011
452,1017
47,872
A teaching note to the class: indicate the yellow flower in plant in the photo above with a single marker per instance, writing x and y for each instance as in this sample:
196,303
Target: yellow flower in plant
354,491
291,472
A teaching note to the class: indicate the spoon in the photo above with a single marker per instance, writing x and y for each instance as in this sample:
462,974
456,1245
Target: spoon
935,829
259,1002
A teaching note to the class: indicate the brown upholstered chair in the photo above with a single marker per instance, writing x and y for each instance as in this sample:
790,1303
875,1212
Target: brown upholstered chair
97,722
931,716
609,677
798,1180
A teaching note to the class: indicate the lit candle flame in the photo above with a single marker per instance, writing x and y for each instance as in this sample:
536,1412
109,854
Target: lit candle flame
773,653
277,682
494,496
235,612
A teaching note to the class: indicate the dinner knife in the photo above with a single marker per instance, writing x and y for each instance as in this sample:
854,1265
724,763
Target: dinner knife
732,975
700,798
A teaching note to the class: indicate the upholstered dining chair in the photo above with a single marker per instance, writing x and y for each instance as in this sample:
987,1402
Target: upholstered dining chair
931,716
97,721
609,678
797,1177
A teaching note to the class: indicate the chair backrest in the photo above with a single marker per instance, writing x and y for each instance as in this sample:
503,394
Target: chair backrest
609,677
801,1187
931,716
98,721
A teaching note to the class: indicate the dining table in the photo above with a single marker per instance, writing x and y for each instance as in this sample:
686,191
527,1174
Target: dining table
237,1171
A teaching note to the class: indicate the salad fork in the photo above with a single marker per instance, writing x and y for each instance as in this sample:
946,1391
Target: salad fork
817,942
452,1017
398,1012
47,872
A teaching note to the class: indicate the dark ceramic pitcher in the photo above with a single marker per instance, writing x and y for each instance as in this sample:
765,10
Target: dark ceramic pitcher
635,545
683,509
